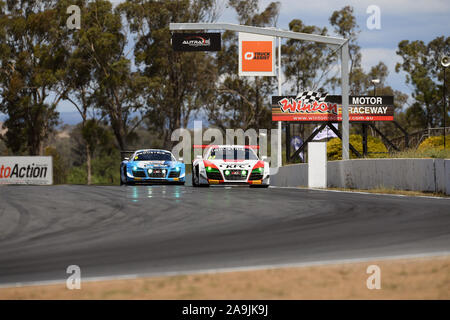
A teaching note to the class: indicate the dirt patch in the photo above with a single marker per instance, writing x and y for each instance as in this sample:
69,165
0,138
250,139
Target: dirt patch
424,278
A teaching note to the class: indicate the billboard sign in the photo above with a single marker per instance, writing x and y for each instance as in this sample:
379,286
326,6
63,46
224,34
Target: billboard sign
312,106
256,55
210,41
26,170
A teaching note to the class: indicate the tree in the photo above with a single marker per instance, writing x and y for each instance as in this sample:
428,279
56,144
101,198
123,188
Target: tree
80,83
421,62
180,83
303,60
119,90
31,59
344,23
242,101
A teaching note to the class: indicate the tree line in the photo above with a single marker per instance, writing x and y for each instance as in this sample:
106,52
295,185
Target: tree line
121,74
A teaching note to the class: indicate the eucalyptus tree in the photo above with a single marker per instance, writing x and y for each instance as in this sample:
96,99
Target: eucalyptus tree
421,63
180,83
32,61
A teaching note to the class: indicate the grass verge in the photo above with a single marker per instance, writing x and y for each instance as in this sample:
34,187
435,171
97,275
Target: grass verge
384,190
419,278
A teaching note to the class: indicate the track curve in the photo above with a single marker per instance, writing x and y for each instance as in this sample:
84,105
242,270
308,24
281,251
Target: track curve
112,230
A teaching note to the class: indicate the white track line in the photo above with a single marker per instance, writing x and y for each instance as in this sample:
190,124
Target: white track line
233,269
362,192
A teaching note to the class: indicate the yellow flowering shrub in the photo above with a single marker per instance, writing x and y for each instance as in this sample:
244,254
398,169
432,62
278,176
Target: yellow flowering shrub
436,142
334,147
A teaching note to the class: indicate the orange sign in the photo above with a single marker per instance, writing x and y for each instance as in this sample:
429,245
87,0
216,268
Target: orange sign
257,56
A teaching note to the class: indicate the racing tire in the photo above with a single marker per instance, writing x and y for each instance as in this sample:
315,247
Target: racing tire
195,177
259,186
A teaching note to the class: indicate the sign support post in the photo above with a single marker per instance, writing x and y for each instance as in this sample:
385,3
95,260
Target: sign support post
279,151
345,93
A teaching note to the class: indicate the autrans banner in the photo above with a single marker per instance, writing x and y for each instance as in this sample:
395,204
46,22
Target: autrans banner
26,170
316,107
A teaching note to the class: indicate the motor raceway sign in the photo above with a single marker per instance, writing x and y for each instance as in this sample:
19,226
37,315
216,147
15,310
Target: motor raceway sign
26,170
312,106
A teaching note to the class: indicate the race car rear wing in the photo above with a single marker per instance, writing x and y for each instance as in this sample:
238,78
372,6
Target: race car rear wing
125,154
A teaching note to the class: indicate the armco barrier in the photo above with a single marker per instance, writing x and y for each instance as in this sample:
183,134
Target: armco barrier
432,175
295,175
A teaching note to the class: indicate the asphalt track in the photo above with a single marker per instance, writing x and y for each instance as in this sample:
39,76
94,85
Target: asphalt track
112,231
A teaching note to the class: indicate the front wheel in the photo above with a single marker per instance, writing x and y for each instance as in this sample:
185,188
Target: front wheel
259,186
195,179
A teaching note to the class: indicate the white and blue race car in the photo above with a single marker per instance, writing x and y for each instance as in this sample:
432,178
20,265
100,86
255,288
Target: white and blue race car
152,166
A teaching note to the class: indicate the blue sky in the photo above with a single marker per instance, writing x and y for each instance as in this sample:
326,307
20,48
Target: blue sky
400,20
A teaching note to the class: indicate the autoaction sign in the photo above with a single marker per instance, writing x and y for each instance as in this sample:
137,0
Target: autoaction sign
361,108
26,170
196,41
256,55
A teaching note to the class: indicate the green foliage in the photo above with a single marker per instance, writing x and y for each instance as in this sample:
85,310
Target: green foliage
435,142
104,154
304,72
420,61
77,175
31,62
105,170
437,153
3,148
334,147
178,83
59,168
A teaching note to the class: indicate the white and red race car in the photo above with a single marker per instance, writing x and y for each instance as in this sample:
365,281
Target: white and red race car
230,164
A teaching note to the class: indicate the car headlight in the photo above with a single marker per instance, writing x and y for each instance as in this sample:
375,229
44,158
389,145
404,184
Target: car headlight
150,171
134,168
177,169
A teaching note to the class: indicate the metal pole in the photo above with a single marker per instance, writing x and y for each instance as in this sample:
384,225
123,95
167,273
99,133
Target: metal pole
345,92
364,139
279,155
288,141
445,108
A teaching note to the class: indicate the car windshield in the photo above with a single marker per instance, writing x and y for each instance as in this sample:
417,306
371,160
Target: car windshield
232,154
153,156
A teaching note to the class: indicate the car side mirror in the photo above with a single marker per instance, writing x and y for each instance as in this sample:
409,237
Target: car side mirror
126,159
180,159
198,157
264,158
